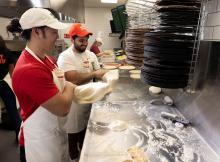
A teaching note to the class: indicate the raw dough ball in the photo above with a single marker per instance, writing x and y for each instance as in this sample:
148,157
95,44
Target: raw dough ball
118,125
135,76
155,90
168,100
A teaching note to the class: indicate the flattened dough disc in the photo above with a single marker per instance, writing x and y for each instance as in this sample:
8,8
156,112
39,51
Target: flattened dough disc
118,125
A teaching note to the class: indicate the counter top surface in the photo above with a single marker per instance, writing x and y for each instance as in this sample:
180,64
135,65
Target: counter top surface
126,119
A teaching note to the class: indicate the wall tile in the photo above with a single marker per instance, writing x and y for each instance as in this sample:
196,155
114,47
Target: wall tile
213,19
211,6
218,7
206,33
204,19
216,33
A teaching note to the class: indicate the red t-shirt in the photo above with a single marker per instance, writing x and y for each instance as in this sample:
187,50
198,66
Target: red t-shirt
95,49
33,84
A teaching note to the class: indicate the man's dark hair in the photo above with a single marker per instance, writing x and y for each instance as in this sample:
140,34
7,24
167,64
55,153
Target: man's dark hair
2,44
74,37
26,34
14,26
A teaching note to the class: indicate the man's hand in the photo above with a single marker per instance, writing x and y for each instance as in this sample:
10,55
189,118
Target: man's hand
69,85
99,73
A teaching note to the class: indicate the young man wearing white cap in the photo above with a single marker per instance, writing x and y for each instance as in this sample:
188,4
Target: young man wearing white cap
36,84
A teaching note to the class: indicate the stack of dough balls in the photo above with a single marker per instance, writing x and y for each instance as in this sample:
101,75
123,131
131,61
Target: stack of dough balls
127,67
135,74
91,92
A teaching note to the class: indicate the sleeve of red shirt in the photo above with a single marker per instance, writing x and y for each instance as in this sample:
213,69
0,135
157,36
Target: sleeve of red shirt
39,85
94,49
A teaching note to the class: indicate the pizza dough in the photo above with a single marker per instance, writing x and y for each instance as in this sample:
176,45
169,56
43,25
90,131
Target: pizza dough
127,67
135,71
91,92
118,125
111,77
137,154
135,76
109,67
155,90
112,64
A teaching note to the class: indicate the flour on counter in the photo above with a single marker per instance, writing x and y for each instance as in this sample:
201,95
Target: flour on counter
118,125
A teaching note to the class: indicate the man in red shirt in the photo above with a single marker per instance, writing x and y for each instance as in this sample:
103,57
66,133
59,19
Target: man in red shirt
95,47
36,81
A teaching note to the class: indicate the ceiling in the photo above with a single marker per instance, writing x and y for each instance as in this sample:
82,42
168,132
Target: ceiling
97,3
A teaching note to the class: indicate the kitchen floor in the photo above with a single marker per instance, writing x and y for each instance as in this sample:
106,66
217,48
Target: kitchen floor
9,151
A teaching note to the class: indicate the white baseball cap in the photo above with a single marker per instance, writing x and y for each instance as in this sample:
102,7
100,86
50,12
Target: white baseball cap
99,40
36,17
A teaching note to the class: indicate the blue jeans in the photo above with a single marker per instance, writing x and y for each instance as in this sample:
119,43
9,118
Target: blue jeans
9,100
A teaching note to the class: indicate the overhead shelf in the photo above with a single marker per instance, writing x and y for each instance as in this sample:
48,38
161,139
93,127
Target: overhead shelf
114,34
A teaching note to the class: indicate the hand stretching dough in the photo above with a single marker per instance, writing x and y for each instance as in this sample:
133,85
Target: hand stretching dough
91,92
111,77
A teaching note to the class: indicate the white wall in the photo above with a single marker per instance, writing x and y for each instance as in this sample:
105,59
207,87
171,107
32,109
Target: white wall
210,30
97,20
3,23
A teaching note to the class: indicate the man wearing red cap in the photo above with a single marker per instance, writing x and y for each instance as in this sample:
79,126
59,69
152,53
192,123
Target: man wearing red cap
80,66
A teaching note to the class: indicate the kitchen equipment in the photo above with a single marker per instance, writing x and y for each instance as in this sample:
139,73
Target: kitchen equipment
134,46
175,118
169,47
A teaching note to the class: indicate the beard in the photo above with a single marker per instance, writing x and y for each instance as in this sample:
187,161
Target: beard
81,48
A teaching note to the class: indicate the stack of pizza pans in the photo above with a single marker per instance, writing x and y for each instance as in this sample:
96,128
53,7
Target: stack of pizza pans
134,46
168,49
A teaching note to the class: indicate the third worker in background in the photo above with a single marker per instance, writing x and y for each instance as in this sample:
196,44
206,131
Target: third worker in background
80,66
95,48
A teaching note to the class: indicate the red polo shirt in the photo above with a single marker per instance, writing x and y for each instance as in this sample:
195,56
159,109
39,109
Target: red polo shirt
95,49
33,84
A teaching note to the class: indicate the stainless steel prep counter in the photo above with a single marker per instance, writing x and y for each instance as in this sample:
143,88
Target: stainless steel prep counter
158,138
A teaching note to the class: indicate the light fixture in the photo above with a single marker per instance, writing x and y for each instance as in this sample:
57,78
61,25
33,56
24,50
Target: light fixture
36,3
109,1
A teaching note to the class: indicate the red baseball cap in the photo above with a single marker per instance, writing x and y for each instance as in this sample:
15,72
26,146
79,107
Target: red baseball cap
78,30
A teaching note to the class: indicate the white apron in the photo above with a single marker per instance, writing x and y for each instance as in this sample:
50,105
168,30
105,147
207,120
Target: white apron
78,117
44,140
